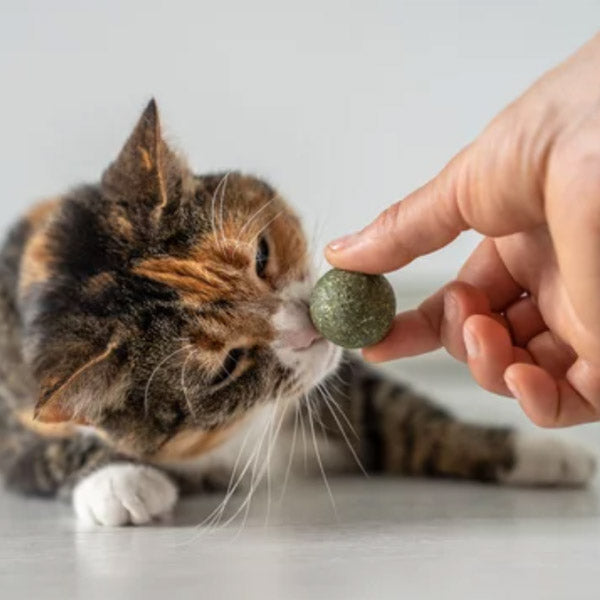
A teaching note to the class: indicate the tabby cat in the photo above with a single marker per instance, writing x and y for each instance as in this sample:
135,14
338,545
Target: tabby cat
155,340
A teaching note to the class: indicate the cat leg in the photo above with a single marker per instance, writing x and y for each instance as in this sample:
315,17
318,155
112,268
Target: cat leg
105,488
548,460
399,431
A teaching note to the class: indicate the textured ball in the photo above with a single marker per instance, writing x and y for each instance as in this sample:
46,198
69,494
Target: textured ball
352,310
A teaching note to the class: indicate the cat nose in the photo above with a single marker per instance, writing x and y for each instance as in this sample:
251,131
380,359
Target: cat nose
303,338
296,330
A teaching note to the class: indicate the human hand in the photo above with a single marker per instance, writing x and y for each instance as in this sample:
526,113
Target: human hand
524,311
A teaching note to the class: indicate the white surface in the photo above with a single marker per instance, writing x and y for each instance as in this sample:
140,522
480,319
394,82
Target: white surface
392,538
345,105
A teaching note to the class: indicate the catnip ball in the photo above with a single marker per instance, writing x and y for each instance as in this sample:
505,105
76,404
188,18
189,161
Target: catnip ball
353,310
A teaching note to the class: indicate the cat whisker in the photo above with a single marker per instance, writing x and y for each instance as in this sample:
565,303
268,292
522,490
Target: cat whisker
343,432
312,250
256,481
317,417
304,443
256,478
250,244
257,475
237,243
336,388
216,514
155,371
224,180
273,441
183,385
256,213
319,461
213,202
214,517
270,445
344,360
212,209
278,214
336,405
291,455
232,487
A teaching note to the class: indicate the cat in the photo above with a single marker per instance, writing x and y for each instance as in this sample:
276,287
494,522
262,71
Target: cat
155,340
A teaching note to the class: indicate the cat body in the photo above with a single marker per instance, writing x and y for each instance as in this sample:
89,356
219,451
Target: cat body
155,340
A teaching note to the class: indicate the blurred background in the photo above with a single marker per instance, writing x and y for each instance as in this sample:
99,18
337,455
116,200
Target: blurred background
344,105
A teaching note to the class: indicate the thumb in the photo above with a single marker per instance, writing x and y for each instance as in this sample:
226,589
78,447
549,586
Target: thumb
477,189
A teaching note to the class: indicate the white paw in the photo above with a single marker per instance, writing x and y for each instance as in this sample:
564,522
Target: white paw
124,493
547,460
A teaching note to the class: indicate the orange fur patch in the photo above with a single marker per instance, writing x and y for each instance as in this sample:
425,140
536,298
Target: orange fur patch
54,430
122,226
40,213
99,282
190,278
221,268
35,262
146,160
192,443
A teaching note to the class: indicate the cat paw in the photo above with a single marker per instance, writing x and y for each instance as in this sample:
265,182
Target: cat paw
122,494
546,460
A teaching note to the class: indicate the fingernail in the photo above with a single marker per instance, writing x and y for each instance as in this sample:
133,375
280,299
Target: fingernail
511,385
344,242
471,343
450,307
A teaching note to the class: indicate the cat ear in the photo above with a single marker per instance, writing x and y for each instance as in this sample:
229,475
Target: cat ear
146,170
76,396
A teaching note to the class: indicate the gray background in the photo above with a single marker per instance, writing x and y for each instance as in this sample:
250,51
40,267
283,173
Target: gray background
344,105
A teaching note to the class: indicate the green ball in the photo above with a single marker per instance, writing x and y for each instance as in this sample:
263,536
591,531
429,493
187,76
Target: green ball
353,310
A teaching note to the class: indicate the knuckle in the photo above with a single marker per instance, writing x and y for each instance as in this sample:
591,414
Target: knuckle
388,225
389,219
577,157
461,182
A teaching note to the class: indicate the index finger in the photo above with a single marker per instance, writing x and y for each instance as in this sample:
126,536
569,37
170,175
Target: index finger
492,186
424,221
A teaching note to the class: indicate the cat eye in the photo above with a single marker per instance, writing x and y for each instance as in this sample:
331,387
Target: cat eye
262,257
229,366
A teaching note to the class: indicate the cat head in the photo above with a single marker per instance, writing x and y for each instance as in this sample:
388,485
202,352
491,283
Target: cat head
161,307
